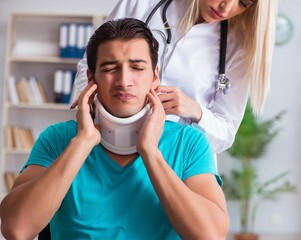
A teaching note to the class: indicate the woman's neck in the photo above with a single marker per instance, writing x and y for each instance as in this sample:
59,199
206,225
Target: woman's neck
199,20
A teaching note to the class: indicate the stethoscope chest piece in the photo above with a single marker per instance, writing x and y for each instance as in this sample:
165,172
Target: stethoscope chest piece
223,83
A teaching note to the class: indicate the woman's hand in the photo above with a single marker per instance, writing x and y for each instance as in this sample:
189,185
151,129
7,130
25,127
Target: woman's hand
152,129
176,102
86,127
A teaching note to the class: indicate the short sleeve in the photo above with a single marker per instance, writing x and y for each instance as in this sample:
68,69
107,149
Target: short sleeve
50,144
199,158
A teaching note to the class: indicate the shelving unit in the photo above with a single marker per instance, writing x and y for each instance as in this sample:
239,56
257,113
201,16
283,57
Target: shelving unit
41,30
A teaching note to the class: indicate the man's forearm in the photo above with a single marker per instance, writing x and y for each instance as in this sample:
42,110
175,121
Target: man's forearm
192,215
32,204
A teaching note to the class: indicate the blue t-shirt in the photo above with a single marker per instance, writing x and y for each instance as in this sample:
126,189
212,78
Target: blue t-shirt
107,201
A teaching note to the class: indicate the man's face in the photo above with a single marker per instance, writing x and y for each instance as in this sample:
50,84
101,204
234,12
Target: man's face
124,76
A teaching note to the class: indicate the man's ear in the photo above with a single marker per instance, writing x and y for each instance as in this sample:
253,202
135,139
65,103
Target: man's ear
89,75
156,81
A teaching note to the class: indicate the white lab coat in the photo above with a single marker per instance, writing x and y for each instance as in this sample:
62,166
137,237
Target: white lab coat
192,65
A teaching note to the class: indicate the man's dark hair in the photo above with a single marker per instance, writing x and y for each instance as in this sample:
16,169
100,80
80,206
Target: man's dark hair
121,29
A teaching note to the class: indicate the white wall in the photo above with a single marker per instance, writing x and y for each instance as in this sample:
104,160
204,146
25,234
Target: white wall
284,152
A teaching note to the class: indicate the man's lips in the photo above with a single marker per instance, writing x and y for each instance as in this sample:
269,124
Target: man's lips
216,14
124,96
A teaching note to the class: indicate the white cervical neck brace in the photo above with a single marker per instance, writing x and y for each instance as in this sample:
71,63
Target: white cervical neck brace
119,135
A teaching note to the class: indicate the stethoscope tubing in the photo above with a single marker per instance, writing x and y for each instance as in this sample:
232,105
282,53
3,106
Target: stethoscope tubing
223,46
166,24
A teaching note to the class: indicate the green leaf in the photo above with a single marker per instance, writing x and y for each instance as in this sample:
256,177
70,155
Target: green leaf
242,184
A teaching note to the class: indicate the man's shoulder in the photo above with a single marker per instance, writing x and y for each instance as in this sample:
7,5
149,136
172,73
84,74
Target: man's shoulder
64,125
184,130
177,126
61,128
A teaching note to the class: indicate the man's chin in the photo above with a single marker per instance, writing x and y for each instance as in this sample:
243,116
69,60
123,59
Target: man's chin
126,110
125,114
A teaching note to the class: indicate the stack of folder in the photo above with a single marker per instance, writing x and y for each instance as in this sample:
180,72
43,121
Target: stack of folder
74,38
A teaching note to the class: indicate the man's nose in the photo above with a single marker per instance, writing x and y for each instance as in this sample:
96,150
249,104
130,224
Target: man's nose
125,78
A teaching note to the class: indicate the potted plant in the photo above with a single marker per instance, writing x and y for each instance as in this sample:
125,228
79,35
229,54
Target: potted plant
242,184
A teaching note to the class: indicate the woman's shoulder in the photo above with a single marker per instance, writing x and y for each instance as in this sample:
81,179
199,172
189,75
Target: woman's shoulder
132,8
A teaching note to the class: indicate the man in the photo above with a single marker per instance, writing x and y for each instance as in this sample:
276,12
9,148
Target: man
166,187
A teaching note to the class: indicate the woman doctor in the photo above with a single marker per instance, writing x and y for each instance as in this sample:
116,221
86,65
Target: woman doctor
190,62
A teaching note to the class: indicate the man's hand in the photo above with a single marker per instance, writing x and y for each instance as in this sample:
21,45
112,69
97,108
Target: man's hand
153,127
86,127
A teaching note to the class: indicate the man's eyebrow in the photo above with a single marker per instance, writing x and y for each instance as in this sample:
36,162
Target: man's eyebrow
137,61
113,62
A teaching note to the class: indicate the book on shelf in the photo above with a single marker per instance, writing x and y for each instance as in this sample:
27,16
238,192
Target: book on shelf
63,41
21,89
81,40
19,137
35,90
42,92
63,85
67,86
58,85
74,38
9,178
18,142
29,91
12,90
71,41
25,138
10,141
30,137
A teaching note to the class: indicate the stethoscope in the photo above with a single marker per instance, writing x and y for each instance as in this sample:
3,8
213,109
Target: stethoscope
223,83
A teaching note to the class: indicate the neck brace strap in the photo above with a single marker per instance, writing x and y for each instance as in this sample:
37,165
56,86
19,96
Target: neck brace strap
120,135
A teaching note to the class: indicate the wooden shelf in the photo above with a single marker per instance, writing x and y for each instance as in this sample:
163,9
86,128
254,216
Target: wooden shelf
45,106
44,59
27,55
12,151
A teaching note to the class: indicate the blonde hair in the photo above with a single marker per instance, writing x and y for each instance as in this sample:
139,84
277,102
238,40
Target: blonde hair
257,28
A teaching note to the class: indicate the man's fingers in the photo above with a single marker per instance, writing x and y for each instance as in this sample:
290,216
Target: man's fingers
89,91
74,104
152,95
